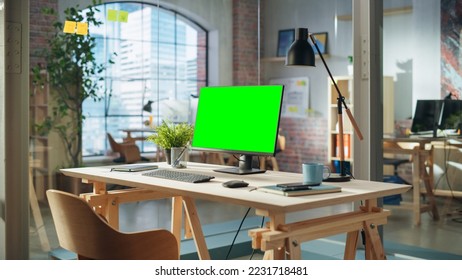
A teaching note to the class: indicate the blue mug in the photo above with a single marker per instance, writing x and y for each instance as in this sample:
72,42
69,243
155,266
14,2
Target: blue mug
314,173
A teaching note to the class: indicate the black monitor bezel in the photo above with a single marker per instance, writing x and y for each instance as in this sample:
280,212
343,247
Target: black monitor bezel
448,103
438,106
245,159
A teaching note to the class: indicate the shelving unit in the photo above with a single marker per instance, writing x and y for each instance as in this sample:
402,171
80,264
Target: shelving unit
345,84
39,145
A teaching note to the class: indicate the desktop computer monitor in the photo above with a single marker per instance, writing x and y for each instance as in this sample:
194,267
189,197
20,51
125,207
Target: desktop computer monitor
427,116
451,118
238,120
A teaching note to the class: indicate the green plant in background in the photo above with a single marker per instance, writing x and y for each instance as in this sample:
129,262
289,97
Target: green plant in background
169,135
73,74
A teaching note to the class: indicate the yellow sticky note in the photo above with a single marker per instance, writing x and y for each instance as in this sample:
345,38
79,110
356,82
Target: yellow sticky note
293,109
111,15
123,16
69,26
82,28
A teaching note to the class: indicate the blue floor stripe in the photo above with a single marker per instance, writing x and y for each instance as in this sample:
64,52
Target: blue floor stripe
220,236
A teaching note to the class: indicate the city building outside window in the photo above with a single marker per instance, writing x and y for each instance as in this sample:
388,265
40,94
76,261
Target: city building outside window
160,57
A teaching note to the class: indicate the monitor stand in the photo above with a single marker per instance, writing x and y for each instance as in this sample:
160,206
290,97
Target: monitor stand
245,167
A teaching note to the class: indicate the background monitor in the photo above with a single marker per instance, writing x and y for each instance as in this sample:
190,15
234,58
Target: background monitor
426,116
238,120
451,118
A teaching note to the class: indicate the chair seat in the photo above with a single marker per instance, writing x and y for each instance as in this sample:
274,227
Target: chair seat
395,161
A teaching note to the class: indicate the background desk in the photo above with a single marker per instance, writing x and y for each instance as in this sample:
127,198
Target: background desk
421,152
131,138
279,237
145,130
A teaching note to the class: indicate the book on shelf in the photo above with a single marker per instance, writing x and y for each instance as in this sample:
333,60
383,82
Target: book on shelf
346,145
300,191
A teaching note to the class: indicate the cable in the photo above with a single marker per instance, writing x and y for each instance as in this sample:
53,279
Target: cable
239,159
237,232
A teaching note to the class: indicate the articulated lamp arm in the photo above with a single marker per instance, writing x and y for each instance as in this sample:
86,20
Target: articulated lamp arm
340,96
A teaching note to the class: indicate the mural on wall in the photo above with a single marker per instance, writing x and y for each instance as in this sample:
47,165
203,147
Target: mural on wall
451,60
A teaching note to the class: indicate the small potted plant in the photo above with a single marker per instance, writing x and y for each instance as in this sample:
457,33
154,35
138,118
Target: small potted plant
170,135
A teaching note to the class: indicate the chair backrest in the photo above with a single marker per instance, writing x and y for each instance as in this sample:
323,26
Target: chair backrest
130,152
281,142
114,145
85,233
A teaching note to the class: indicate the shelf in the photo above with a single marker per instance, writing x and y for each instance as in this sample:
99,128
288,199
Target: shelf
273,59
344,132
45,106
337,158
386,12
345,84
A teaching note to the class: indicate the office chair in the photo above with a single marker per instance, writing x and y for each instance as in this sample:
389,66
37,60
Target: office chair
395,162
85,233
128,151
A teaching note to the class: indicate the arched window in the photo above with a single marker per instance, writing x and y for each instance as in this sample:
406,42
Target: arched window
160,57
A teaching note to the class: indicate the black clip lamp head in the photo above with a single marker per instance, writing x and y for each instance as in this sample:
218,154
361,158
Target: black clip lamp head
147,107
301,52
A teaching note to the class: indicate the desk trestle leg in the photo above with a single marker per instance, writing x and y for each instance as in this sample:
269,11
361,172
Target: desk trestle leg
288,237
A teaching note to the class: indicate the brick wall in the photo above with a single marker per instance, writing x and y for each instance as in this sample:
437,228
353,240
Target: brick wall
245,45
306,139
41,27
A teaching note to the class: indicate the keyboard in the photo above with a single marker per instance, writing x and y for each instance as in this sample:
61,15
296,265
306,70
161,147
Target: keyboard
178,176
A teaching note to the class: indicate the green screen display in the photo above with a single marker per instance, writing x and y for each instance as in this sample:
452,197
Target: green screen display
238,119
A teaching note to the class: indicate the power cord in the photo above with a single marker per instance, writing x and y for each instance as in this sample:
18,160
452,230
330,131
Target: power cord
237,232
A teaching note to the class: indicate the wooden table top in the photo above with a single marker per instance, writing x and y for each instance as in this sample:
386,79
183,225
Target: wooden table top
352,191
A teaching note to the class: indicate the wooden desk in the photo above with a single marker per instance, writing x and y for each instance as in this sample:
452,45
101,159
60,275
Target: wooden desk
131,138
279,239
129,132
421,152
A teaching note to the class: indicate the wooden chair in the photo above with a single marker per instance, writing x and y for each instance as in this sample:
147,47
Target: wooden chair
281,146
85,233
128,151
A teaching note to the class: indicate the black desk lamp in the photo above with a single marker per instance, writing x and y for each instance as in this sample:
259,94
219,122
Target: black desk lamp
301,53
148,106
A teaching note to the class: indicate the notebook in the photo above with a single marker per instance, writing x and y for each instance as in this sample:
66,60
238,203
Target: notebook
134,167
301,191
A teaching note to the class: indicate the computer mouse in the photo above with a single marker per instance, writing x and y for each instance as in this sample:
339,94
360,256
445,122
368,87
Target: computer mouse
235,184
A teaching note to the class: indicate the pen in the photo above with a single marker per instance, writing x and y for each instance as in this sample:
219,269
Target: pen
177,160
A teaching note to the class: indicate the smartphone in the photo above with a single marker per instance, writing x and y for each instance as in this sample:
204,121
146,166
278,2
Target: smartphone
296,186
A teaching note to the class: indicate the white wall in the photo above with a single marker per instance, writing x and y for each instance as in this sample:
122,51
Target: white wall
398,60
317,16
412,55
410,41
427,55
